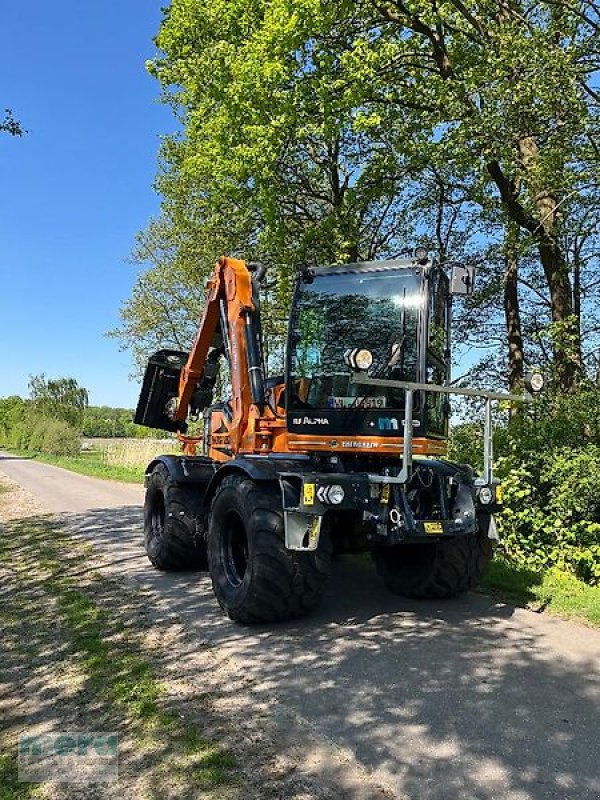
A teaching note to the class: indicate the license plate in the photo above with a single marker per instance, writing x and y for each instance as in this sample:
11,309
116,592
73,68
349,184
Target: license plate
356,402
433,528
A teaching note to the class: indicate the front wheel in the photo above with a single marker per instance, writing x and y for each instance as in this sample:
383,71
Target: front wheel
439,569
255,578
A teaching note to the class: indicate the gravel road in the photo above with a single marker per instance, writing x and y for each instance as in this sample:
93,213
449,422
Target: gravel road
429,701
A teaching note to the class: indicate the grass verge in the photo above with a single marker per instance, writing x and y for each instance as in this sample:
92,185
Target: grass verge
61,617
90,464
552,590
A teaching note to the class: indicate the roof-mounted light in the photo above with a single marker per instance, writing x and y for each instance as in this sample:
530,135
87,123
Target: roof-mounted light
421,254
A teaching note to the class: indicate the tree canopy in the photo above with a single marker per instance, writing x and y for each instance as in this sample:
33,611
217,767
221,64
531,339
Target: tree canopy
325,132
60,398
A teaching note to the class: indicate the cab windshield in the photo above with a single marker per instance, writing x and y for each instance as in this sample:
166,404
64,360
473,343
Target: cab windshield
377,311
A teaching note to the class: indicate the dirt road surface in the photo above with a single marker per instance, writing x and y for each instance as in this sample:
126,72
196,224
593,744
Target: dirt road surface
389,697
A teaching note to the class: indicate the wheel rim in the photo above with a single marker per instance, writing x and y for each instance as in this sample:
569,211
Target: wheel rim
157,516
234,549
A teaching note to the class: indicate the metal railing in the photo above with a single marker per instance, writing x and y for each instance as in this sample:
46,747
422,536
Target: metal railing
410,389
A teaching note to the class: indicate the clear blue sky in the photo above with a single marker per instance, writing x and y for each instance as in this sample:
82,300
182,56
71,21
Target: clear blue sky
77,188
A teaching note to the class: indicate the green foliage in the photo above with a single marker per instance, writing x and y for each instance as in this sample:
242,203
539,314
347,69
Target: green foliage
13,411
59,439
325,132
552,511
555,420
549,464
23,427
61,398
110,423
9,124
465,444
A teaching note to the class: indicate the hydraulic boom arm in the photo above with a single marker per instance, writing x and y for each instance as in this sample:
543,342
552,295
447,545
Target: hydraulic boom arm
227,325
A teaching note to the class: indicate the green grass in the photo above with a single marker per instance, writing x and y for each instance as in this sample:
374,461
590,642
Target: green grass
89,463
10,786
552,590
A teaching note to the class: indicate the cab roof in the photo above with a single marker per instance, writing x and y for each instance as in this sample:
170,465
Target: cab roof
372,266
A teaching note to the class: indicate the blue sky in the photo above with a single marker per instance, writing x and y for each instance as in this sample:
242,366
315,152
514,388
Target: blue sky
77,188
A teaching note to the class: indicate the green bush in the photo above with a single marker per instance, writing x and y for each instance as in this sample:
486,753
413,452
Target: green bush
555,420
106,422
19,435
22,427
551,515
60,439
35,440
548,458
465,444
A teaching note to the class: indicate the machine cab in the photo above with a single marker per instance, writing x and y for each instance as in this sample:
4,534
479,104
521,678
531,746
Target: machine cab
388,320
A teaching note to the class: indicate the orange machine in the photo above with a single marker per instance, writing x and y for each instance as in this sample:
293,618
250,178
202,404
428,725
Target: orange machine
341,452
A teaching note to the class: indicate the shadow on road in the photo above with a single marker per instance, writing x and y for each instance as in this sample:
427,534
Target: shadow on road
439,700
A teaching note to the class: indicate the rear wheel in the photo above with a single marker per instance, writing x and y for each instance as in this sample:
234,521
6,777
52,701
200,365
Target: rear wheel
171,531
255,578
436,569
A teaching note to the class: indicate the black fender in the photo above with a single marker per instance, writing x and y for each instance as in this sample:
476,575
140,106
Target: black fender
185,469
261,471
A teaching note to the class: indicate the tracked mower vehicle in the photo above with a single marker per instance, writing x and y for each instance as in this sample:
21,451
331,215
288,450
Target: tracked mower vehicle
345,452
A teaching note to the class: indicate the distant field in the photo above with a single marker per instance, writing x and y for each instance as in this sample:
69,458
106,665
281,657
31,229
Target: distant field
113,459
129,452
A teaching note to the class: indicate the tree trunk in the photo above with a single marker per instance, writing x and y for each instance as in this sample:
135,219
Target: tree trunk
577,298
512,314
566,341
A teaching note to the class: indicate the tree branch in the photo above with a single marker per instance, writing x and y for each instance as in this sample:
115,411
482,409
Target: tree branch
507,193
545,300
470,18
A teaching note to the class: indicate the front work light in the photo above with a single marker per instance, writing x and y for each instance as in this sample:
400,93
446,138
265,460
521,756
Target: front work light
421,254
335,494
363,359
485,495
358,359
534,382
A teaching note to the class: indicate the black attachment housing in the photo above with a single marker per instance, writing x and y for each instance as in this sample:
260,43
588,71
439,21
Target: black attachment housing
161,384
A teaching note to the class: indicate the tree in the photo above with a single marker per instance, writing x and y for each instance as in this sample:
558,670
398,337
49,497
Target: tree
504,93
11,125
303,182
323,132
61,398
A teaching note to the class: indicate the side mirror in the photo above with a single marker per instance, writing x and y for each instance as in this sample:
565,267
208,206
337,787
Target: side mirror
462,280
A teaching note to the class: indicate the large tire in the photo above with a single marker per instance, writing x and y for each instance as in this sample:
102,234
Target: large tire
255,578
436,569
172,534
